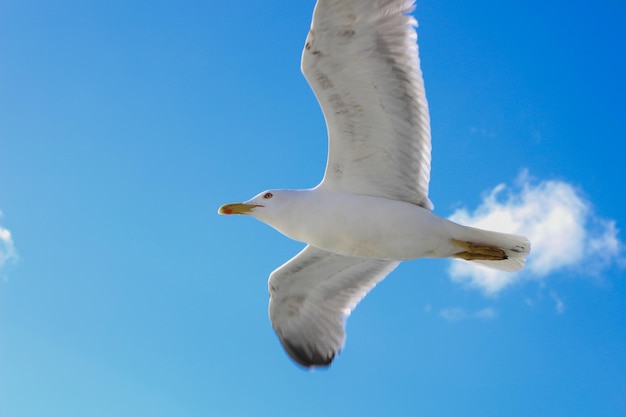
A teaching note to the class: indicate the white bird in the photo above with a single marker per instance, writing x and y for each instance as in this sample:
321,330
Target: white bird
371,209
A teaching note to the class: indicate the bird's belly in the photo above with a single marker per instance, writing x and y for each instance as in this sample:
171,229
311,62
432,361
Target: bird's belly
378,228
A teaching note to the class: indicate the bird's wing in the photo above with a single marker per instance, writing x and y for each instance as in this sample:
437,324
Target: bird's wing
311,296
361,60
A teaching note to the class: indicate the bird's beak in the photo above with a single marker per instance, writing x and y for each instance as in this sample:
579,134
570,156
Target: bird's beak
237,208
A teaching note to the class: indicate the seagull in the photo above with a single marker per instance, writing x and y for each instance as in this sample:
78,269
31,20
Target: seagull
371,210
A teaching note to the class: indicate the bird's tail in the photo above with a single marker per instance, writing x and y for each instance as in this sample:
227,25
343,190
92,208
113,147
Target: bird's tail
502,251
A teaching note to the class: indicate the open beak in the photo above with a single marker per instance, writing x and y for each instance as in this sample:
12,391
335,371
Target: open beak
237,208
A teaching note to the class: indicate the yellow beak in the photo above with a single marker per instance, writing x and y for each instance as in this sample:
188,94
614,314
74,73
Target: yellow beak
237,208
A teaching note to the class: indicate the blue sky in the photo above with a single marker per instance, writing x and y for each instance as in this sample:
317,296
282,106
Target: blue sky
125,125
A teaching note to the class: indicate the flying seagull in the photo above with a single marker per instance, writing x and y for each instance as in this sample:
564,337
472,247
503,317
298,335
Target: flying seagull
371,209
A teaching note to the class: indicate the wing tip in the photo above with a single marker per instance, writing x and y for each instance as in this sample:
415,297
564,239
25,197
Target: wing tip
307,357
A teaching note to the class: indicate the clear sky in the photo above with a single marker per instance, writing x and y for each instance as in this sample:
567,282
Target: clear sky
124,125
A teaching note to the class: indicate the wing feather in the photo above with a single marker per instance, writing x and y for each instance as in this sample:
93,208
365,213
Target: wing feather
311,296
361,60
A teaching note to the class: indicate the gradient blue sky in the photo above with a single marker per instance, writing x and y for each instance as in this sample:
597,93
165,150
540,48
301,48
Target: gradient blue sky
124,125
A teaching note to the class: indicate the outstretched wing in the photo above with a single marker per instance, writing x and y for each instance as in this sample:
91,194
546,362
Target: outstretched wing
361,60
312,295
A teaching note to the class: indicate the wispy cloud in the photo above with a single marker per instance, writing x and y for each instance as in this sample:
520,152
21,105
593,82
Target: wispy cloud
7,248
457,314
559,305
558,220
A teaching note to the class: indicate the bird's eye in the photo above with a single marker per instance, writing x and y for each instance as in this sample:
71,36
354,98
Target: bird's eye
267,196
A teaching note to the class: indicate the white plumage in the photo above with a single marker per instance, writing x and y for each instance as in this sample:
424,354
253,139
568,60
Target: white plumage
361,60
371,209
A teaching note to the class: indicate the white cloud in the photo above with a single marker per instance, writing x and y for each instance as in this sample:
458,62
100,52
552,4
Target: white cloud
558,220
7,248
456,314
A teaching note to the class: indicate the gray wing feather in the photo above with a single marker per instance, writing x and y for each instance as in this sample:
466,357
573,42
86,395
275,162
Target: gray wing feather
361,60
311,296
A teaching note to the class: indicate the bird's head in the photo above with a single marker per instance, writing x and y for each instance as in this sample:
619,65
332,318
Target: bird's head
265,206
248,207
